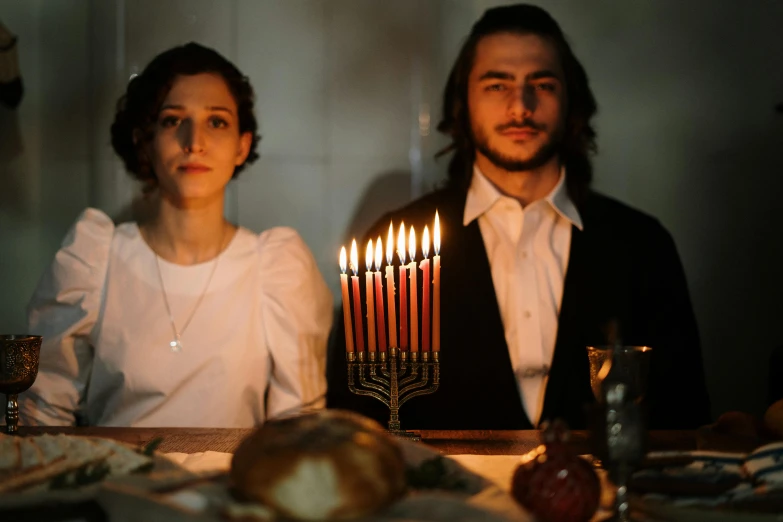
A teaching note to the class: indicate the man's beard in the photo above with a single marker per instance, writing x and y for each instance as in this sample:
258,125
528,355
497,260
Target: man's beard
541,156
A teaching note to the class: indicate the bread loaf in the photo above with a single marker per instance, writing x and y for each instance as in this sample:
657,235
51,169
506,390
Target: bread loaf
326,465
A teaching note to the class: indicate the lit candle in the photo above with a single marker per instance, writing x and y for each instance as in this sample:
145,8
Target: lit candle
370,302
425,291
436,286
357,299
390,289
346,303
403,289
414,293
379,315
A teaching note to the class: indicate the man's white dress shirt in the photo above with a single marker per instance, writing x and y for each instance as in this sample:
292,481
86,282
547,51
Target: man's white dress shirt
528,252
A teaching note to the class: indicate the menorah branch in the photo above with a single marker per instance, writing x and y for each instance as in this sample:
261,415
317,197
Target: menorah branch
379,388
423,383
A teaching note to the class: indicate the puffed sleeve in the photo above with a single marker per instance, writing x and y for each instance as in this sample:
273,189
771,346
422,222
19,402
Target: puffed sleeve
297,317
64,310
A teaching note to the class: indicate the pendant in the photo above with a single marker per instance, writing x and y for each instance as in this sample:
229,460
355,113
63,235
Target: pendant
176,346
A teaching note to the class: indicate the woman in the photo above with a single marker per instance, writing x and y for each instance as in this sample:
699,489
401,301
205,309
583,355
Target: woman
181,319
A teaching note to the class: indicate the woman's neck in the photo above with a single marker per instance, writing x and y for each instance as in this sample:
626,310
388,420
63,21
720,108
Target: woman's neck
187,235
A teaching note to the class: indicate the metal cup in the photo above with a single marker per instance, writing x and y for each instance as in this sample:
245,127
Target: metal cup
630,364
618,377
18,370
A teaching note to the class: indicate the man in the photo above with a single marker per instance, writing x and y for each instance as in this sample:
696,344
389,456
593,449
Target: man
536,266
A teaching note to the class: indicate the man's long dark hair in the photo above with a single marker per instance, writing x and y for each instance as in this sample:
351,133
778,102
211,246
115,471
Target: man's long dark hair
578,141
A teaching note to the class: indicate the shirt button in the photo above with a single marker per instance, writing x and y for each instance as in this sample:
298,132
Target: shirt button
527,314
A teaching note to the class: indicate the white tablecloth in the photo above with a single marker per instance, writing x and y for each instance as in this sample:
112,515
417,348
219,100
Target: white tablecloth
497,468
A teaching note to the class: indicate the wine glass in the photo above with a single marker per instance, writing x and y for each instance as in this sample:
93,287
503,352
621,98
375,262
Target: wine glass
18,370
618,377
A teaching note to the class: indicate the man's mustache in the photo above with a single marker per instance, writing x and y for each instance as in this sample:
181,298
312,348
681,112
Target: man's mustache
526,124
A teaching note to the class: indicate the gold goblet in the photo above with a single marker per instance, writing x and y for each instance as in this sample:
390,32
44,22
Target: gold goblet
18,370
630,364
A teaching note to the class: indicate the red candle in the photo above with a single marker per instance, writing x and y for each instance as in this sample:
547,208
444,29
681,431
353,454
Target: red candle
346,303
390,290
357,299
379,315
403,289
436,286
414,290
425,292
403,309
370,301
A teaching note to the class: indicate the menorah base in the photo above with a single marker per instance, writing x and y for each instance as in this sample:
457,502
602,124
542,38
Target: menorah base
393,380
407,435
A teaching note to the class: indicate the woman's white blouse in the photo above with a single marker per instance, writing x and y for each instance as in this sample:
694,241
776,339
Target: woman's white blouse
255,348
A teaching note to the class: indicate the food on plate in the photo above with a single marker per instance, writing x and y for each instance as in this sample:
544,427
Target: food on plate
773,419
734,431
737,423
434,474
61,461
330,464
554,483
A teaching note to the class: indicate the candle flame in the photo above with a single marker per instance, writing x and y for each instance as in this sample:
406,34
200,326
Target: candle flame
425,242
354,257
378,254
343,260
436,235
412,244
390,245
368,256
401,243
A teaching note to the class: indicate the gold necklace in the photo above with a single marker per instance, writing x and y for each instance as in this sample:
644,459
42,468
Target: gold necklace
176,343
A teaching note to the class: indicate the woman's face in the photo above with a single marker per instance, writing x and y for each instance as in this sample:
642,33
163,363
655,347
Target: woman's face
196,143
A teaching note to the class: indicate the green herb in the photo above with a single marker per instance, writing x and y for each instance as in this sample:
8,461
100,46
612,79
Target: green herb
82,476
144,468
432,474
149,448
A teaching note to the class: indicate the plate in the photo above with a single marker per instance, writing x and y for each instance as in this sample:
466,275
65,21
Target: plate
711,486
42,503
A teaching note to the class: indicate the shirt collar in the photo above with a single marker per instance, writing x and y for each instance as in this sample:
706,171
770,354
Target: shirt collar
482,195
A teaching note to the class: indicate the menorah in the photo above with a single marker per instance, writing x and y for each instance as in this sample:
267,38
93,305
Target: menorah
403,372
394,380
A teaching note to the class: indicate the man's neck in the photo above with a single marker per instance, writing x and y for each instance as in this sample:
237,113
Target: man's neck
187,235
524,186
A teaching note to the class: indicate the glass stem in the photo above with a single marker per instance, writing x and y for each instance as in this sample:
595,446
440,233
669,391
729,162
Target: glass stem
11,413
621,502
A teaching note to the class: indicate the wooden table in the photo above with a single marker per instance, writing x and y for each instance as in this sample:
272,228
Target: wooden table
194,440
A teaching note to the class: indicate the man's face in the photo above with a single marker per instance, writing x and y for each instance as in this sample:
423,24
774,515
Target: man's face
516,100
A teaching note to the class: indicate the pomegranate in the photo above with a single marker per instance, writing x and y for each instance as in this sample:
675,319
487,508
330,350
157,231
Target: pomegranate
553,482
